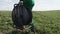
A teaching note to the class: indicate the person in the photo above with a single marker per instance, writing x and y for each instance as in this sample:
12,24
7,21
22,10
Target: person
29,5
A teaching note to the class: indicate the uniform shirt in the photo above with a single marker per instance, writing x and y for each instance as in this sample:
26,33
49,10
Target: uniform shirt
28,3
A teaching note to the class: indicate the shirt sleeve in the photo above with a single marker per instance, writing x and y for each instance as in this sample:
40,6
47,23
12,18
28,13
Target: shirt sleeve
28,3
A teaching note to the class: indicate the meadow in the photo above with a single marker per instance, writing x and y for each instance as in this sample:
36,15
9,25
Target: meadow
46,22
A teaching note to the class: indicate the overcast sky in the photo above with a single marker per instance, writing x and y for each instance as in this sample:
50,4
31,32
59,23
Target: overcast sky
40,5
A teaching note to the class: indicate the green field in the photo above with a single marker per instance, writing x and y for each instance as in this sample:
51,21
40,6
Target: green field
46,22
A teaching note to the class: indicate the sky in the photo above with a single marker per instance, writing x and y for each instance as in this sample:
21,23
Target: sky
40,5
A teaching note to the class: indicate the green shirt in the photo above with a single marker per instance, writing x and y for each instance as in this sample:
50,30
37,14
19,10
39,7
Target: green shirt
28,3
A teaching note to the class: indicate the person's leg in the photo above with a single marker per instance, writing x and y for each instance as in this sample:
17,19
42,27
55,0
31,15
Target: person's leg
32,26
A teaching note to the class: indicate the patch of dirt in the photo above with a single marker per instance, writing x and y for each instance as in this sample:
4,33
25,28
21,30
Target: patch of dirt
2,33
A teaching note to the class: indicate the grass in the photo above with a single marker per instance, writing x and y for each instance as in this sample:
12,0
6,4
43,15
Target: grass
47,22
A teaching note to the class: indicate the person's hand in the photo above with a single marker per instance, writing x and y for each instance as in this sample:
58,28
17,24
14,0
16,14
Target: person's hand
21,2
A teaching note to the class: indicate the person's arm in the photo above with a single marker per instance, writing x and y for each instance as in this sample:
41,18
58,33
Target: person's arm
21,2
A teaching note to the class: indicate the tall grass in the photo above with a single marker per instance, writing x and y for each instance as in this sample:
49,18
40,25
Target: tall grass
47,22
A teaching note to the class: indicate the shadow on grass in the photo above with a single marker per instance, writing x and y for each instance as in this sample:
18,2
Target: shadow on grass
17,32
